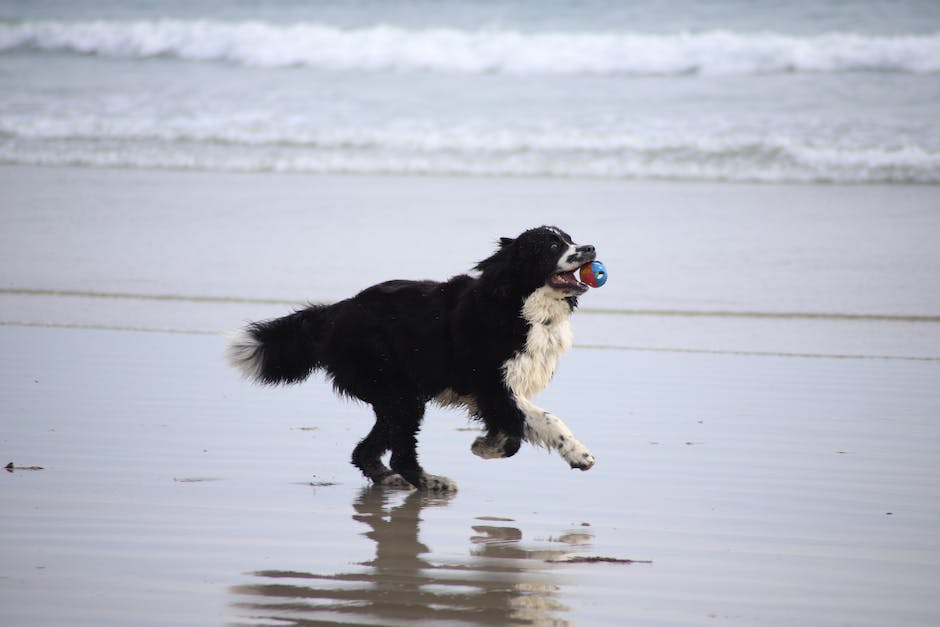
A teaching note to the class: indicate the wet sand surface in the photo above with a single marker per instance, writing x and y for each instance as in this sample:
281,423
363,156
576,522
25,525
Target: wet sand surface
735,483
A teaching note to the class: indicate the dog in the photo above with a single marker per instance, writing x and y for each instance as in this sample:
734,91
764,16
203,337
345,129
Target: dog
488,343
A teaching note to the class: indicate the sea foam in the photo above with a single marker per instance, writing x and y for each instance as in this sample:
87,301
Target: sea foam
227,145
383,48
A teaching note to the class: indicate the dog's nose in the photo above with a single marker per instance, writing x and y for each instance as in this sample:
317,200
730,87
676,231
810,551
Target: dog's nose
586,249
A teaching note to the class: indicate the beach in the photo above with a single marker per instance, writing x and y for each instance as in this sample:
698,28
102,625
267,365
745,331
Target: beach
758,382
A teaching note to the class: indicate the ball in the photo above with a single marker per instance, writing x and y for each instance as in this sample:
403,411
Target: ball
593,274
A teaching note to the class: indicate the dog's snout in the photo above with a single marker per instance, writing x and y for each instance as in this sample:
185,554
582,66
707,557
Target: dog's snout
581,255
586,253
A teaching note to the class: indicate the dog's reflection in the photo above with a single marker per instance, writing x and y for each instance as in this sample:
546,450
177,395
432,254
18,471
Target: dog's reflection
499,582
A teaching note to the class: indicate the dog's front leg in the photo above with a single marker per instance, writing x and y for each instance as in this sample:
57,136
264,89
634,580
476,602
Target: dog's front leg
545,429
505,425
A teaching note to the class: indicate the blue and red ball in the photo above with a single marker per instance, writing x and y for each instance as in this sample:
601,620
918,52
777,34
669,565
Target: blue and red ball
593,274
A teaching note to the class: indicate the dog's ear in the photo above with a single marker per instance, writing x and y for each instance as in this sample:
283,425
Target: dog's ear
497,269
500,257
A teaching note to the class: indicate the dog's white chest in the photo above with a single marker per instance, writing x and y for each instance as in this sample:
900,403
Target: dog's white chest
549,337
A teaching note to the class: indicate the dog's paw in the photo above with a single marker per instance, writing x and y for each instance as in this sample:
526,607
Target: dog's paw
396,482
584,463
577,455
489,446
495,446
435,483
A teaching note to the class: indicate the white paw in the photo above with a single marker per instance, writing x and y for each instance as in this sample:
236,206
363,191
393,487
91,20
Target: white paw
576,454
548,430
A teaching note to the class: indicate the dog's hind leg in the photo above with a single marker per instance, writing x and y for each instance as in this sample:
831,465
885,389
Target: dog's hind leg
367,456
403,420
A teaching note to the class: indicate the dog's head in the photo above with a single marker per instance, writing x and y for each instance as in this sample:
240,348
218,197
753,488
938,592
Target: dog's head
543,256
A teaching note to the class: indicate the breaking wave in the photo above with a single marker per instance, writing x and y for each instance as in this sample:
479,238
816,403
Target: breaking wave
223,146
383,48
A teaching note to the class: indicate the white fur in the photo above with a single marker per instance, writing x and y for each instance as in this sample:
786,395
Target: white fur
548,430
568,266
530,371
244,353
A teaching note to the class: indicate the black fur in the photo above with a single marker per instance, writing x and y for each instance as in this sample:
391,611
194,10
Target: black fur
399,344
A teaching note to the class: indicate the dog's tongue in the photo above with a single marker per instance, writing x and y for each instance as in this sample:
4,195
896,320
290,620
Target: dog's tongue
565,279
568,278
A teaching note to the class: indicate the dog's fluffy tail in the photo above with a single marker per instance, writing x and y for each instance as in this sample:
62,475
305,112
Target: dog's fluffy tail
283,350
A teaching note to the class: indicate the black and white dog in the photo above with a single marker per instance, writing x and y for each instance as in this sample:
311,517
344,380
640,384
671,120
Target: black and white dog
488,343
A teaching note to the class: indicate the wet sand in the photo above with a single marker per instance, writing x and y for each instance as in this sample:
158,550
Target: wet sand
734,485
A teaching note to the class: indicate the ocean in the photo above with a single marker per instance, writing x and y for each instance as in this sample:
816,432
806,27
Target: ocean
785,92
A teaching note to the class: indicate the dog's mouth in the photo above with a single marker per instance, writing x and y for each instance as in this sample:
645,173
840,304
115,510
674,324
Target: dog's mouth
567,281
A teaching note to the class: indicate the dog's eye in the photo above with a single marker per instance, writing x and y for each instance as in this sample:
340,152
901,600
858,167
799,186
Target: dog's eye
555,246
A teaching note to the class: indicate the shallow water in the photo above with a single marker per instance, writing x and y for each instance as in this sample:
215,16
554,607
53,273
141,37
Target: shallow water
745,488
762,490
